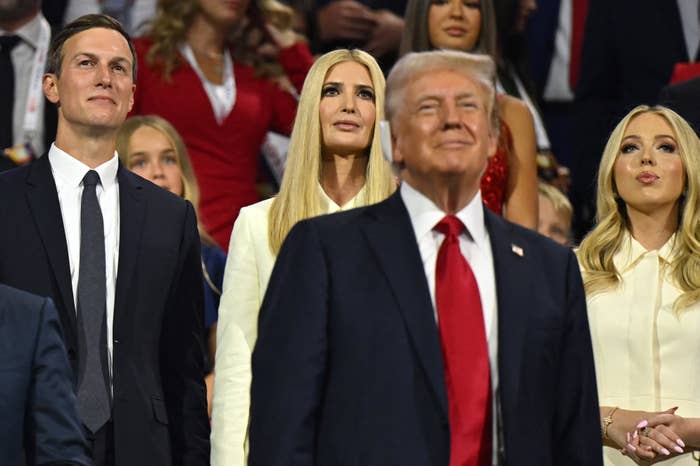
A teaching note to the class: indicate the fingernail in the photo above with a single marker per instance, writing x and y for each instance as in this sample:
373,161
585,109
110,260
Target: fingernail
665,452
631,448
680,442
642,424
678,449
635,434
628,437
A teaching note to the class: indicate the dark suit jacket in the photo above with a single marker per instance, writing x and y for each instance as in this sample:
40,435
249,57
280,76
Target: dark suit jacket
159,406
37,405
621,67
684,99
348,368
541,31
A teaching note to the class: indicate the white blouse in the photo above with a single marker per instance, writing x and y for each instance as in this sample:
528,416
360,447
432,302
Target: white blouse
646,355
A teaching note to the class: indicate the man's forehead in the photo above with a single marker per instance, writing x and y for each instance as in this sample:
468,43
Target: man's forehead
443,82
98,41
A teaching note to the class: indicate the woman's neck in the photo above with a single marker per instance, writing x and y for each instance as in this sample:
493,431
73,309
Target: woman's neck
652,230
205,37
342,177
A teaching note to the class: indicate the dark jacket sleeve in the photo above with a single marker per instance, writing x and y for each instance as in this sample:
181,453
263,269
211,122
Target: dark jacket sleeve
57,435
289,360
182,354
576,423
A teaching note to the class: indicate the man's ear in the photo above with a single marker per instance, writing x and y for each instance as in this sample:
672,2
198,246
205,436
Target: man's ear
131,98
494,136
396,154
50,84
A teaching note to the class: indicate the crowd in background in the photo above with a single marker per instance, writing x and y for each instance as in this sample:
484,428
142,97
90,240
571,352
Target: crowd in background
237,109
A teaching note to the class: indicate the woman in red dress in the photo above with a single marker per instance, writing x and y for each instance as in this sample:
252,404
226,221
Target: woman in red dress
201,67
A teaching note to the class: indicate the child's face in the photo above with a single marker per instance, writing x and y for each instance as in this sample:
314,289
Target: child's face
152,156
552,224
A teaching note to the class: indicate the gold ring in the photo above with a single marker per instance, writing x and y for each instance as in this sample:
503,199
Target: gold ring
645,431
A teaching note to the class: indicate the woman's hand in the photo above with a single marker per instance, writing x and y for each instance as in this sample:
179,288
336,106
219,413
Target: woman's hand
663,434
657,438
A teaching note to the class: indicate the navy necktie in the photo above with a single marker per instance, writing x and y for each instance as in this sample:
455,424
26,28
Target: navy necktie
93,398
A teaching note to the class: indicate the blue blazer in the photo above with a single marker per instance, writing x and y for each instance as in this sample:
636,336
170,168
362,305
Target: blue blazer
38,420
159,404
348,368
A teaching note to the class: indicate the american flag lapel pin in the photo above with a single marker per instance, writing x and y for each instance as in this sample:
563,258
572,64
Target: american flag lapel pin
517,250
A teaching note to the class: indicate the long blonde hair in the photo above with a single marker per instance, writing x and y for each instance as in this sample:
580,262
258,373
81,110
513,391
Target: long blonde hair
298,198
169,27
599,247
190,188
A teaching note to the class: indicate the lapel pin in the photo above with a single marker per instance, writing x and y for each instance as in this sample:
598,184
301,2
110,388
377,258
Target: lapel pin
517,250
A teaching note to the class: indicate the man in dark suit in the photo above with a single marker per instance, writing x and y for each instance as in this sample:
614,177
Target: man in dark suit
37,405
350,366
28,120
120,258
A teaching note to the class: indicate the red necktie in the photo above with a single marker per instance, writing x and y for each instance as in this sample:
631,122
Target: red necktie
465,351
578,24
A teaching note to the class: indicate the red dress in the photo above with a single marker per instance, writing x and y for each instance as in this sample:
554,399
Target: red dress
495,178
224,156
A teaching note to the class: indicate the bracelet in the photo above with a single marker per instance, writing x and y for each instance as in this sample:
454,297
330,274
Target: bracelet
607,420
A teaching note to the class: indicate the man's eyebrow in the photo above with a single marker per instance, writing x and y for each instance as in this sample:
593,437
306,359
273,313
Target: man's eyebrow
95,57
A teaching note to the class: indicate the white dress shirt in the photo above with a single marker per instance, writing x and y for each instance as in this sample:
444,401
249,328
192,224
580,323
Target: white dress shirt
557,88
690,22
476,249
68,173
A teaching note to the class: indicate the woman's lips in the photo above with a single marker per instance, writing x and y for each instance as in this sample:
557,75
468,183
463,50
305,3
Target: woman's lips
647,177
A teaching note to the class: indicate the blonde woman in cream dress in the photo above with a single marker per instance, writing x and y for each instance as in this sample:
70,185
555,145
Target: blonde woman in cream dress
335,163
641,270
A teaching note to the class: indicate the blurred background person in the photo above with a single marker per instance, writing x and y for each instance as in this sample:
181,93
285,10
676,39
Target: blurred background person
200,69
40,424
641,271
684,99
335,163
509,185
620,69
27,122
133,14
555,214
151,147
553,37
374,26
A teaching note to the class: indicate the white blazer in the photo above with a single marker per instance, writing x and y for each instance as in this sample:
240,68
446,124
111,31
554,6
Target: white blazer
248,268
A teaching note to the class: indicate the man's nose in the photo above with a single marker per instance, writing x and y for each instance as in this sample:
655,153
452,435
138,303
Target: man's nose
450,115
104,75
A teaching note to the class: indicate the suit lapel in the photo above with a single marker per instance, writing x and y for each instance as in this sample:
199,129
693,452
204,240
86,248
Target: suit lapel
513,291
131,213
43,201
392,240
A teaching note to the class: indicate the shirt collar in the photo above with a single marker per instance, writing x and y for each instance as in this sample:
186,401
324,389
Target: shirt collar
328,205
631,251
425,215
71,171
30,32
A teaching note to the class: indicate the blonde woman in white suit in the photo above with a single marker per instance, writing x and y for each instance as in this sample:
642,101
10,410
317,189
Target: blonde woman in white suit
335,163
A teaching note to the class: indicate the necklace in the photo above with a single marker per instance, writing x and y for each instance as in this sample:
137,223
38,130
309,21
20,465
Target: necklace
211,60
